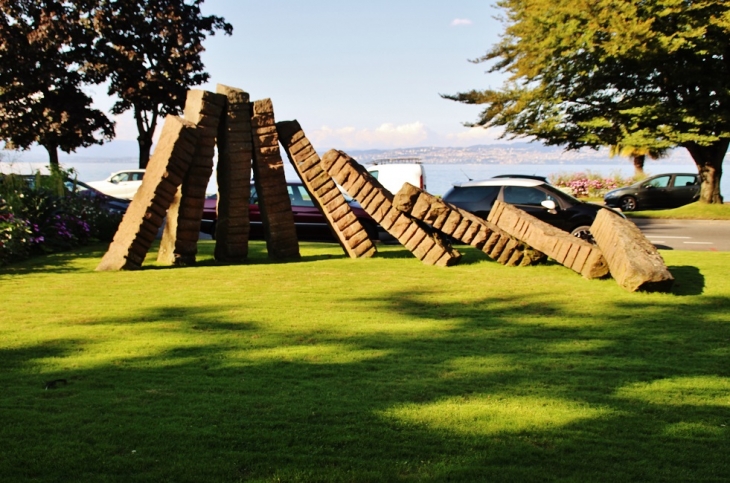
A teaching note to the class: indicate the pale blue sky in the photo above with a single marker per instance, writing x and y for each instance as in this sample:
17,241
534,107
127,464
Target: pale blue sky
356,75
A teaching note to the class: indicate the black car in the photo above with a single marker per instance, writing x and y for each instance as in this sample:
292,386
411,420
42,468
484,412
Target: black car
661,191
538,198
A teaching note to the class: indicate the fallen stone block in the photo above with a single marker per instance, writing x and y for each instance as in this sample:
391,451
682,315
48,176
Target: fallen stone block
143,218
578,255
425,243
465,227
634,261
348,230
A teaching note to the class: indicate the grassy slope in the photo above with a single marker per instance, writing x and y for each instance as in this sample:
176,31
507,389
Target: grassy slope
333,369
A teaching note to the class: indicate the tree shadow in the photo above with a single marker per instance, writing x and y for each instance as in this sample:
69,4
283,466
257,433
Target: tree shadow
505,389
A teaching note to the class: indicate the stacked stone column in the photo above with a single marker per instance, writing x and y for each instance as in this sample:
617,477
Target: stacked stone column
420,239
465,227
204,109
235,152
274,202
348,230
167,166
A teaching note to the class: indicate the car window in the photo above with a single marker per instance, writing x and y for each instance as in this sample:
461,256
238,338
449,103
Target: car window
299,196
470,194
660,182
685,180
120,177
137,176
525,195
254,196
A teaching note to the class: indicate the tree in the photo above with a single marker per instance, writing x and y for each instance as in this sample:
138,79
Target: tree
651,74
150,52
637,155
42,45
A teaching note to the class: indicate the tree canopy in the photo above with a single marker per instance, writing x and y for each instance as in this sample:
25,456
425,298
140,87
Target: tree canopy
651,74
42,45
149,50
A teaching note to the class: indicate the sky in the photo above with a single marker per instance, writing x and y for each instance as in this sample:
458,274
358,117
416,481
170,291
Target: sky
355,74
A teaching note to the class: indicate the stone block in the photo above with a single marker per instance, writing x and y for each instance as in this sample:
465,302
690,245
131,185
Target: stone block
131,242
463,226
378,202
634,261
543,237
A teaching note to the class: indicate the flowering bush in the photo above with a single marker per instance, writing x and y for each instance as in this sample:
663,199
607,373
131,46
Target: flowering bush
40,215
588,184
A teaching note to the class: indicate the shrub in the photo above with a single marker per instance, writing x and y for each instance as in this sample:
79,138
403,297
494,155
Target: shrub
39,214
589,184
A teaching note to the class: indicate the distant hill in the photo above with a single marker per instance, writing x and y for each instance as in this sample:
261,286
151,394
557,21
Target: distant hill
504,153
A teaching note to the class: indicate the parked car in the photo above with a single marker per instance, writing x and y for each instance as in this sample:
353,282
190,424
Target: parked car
524,176
310,222
669,190
109,203
392,173
106,202
122,184
536,197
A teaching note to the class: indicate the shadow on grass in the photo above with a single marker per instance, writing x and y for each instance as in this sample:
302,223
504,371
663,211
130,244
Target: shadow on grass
499,389
688,280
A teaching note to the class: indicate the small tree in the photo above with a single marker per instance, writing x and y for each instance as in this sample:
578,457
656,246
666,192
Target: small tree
637,155
651,74
42,45
150,52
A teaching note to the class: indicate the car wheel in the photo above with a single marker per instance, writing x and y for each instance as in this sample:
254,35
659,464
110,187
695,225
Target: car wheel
583,232
628,203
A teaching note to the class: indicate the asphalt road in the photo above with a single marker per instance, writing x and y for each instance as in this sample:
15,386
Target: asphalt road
696,235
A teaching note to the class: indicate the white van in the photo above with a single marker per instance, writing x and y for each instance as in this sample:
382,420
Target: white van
393,172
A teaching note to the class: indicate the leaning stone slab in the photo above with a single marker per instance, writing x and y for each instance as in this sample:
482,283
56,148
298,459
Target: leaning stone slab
634,261
204,109
425,243
348,230
164,174
235,154
578,255
277,217
465,227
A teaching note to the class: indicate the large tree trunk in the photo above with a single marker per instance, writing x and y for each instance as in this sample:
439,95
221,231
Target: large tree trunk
52,156
639,165
709,165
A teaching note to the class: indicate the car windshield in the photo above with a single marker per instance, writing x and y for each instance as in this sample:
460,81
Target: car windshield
466,194
559,194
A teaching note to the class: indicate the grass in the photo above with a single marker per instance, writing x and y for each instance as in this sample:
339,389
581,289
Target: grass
331,369
692,211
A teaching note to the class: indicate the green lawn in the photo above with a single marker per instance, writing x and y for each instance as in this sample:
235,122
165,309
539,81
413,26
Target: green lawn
332,369
693,211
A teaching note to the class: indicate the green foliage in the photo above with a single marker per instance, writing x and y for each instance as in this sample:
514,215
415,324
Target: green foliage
42,45
149,50
45,214
651,75
377,370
